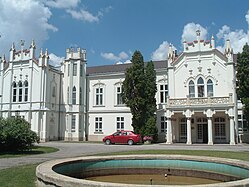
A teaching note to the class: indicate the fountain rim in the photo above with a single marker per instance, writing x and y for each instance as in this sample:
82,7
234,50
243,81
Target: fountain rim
45,172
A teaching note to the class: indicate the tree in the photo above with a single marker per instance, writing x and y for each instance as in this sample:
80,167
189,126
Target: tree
133,91
243,78
150,128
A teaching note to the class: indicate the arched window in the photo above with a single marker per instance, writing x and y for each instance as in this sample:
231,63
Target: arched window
74,96
26,90
200,87
20,91
191,87
14,91
210,91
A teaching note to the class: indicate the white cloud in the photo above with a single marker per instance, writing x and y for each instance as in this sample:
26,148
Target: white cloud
110,56
62,3
161,53
83,15
189,32
55,60
247,17
238,38
24,19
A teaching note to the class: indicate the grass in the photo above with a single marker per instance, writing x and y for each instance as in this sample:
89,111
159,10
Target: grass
35,150
24,176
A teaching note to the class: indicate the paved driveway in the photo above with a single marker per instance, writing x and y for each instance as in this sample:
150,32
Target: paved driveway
80,149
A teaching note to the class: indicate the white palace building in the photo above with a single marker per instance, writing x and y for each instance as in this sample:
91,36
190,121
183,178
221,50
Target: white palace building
196,95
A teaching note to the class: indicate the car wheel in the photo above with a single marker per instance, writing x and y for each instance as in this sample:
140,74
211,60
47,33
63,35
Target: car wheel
130,142
108,142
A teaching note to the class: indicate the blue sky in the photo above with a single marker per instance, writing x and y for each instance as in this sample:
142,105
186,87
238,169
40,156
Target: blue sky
111,30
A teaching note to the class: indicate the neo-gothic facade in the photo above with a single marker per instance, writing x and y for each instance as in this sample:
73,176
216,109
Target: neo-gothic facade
196,96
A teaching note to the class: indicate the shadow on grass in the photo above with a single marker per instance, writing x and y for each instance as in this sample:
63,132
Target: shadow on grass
33,151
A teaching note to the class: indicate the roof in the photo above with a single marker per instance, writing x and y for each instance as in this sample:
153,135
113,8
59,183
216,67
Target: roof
119,68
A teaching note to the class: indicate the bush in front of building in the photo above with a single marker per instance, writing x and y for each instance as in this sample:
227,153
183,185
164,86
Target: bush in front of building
16,135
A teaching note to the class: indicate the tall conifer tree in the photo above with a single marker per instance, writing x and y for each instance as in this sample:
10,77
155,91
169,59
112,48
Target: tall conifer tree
133,91
243,78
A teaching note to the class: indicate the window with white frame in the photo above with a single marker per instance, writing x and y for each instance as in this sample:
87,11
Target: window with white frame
26,90
98,124
210,91
163,124
67,95
163,93
183,129
191,87
73,124
14,92
200,87
74,96
81,70
74,69
220,128
68,69
20,91
99,96
120,123
119,95
80,96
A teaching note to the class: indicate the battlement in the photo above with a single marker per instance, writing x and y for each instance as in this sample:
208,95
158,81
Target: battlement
198,44
22,54
79,53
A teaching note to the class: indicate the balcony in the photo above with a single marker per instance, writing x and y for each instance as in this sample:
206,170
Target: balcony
198,102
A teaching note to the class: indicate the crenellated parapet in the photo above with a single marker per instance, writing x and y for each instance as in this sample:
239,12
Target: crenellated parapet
22,54
198,44
79,53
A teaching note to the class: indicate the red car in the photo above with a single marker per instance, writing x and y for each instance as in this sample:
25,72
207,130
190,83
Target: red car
122,137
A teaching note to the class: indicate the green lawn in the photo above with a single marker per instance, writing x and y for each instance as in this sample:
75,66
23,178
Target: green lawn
35,150
24,176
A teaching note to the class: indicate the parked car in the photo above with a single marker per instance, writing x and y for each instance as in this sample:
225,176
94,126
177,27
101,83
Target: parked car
122,137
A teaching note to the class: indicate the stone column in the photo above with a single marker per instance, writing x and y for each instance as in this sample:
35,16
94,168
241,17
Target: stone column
209,113
210,131
232,139
169,131
189,140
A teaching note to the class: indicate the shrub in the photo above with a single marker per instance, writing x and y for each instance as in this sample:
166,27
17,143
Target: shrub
150,129
16,135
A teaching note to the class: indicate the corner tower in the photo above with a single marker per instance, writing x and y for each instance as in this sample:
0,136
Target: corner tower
74,89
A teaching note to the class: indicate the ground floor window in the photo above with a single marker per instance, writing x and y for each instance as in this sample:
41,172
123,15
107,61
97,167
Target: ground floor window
220,128
98,124
73,123
183,129
163,124
120,123
200,127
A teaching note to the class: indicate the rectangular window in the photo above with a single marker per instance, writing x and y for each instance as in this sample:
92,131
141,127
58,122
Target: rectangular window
20,95
74,69
99,96
14,95
81,70
163,93
26,94
120,123
98,124
73,123
119,96
68,69
163,124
